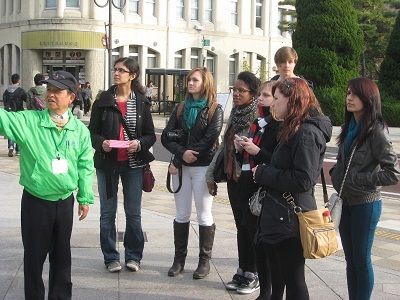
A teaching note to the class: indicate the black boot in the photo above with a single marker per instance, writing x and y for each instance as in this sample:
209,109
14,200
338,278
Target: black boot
181,237
206,241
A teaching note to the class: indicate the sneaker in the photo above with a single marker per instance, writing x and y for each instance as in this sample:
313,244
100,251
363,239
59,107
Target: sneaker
10,152
113,267
249,285
234,283
133,265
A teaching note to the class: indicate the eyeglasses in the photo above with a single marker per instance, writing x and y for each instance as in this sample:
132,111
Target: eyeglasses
119,70
239,90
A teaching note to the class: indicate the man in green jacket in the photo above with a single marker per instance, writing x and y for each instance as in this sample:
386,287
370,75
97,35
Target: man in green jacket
56,159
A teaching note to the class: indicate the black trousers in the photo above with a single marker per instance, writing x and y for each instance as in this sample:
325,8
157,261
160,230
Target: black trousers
246,225
46,228
288,265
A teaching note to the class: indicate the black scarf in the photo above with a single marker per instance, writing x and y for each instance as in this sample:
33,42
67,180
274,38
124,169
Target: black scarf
242,117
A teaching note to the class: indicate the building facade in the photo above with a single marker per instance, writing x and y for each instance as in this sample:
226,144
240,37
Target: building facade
41,36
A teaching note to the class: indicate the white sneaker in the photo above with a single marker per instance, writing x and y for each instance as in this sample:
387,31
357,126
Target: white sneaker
113,267
133,265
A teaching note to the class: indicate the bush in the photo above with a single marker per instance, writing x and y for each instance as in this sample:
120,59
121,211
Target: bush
333,103
390,110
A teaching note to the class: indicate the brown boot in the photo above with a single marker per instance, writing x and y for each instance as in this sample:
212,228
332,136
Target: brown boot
206,242
181,237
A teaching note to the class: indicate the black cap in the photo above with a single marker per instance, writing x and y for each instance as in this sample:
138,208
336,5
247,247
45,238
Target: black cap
63,80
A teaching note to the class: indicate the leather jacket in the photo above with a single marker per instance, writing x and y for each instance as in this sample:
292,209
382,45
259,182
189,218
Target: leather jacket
374,164
201,137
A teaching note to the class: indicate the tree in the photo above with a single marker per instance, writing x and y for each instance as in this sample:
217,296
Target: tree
329,44
389,79
328,41
376,19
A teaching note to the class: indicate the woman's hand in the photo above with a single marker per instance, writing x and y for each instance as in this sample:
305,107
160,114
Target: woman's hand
190,156
106,146
237,143
212,188
249,146
172,169
133,146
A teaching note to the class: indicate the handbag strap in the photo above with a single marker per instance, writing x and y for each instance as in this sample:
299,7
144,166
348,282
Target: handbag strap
169,181
347,169
122,120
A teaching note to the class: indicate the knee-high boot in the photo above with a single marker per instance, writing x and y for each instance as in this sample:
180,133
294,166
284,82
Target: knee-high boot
206,242
181,237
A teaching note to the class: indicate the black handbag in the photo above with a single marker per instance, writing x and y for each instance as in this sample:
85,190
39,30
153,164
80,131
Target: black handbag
219,169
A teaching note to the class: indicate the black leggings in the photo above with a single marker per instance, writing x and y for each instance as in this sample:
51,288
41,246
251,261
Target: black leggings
290,265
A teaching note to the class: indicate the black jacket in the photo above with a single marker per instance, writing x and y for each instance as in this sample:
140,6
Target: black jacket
374,164
201,137
295,167
105,125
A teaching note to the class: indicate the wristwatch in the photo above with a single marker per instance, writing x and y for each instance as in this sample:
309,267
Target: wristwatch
139,147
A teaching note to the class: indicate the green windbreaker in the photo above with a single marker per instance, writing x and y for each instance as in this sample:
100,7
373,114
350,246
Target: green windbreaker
38,140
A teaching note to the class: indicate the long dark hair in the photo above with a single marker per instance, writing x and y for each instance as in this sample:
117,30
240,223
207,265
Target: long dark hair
133,68
301,106
368,92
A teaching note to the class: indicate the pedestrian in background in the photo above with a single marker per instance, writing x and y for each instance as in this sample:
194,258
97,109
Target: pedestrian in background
192,154
39,90
374,164
122,133
244,112
149,90
56,160
294,168
13,99
255,149
87,98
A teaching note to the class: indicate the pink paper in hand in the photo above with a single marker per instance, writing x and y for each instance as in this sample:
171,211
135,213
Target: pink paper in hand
118,144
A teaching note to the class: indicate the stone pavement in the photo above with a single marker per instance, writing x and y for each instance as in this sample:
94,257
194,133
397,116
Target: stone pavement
325,277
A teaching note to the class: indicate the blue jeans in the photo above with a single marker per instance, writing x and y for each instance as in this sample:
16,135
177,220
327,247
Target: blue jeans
132,181
12,145
357,229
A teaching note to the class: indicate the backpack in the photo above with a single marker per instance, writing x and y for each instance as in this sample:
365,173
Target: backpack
14,101
37,102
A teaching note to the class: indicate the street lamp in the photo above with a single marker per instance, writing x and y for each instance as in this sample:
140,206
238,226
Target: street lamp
110,41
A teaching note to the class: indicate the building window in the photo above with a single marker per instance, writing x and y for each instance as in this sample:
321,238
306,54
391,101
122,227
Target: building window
178,59
180,9
18,8
194,15
259,4
209,63
72,4
134,52
118,5
151,59
49,3
234,12
232,70
134,6
209,10
150,8
195,58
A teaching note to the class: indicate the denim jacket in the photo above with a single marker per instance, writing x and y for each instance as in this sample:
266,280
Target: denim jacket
374,164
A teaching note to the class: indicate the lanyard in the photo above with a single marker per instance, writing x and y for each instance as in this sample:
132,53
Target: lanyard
55,144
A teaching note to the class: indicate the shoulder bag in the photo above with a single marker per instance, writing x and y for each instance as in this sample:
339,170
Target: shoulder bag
317,235
334,204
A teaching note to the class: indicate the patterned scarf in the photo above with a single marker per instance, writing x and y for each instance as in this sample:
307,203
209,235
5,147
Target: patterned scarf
191,110
243,117
257,129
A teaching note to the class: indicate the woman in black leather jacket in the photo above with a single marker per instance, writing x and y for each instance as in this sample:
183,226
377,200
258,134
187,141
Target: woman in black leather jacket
190,137
122,153
374,164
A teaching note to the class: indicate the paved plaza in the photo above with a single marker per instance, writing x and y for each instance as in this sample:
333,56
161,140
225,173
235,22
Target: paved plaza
325,277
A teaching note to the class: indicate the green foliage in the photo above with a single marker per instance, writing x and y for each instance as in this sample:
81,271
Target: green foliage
246,66
332,101
328,41
390,109
389,79
376,21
